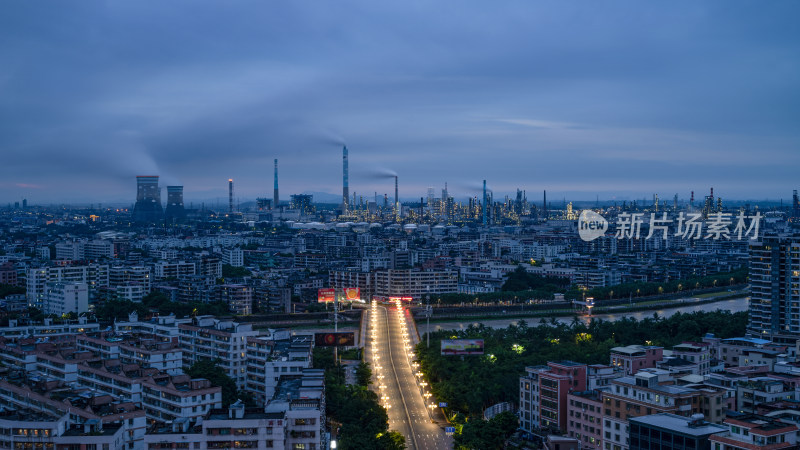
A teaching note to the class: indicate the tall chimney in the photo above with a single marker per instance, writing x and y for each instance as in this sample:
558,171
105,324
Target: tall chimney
544,204
485,206
230,195
275,197
345,180
396,199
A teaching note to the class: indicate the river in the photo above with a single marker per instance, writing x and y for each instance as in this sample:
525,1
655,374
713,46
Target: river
733,305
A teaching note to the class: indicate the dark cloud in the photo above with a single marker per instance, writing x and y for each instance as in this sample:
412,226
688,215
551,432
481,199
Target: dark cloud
619,98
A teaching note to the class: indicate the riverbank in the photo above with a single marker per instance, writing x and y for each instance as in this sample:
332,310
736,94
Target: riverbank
737,304
618,309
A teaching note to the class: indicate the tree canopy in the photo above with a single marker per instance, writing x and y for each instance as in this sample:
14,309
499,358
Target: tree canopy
210,370
475,382
479,434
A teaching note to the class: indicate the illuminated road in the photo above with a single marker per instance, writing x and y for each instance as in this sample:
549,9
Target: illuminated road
394,379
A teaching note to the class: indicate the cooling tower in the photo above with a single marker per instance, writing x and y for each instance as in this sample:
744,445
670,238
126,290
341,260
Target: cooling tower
175,210
148,199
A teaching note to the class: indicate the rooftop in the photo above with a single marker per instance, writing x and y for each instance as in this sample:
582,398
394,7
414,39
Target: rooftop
753,341
26,415
254,413
679,424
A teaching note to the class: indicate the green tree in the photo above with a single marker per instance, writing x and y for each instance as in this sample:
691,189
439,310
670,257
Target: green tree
229,271
110,310
210,370
473,383
363,374
155,300
480,434
7,289
392,440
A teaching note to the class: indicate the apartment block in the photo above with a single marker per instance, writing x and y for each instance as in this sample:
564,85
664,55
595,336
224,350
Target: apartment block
163,270
94,275
648,392
774,278
146,350
269,359
755,432
238,297
66,297
211,338
633,358
585,422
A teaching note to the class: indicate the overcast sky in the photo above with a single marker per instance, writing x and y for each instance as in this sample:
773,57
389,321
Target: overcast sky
616,99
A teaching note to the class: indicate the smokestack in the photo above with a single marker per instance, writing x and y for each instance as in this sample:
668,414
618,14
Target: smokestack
230,195
275,197
345,180
544,205
396,199
148,199
484,203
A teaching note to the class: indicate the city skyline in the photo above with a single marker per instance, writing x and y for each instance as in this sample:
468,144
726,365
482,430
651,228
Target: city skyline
620,100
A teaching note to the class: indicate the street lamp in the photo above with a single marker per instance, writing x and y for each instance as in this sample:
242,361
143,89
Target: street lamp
428,313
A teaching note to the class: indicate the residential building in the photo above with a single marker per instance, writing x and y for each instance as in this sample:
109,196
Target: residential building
211,338
23,428
233,257
163,270
755,432
164,326
754,391
49,328
634,358
146,350
774,298
543,394
294,418
586,418
130,275
415,283
729,350
8,274
238,297
94,275
649,391
698,353
269,359
63,298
